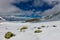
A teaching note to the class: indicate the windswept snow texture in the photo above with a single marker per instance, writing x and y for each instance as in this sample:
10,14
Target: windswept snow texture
48,33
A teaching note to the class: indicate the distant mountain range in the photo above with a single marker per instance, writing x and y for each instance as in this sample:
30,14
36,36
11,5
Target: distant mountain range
13,18
2,19
53,17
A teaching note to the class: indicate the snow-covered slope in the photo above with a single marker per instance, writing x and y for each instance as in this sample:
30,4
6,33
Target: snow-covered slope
48,32
2,19
52,17
14,18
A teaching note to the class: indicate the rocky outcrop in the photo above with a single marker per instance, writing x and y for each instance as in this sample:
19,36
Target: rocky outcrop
33,20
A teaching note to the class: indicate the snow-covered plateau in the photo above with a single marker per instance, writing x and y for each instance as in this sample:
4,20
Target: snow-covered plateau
49,32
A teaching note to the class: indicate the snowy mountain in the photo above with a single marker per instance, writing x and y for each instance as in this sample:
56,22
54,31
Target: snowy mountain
50,31
15,18
2,19
55,16
44,17
51,17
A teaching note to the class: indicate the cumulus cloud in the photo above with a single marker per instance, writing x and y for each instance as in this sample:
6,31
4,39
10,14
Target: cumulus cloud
38,3
54,10
6,7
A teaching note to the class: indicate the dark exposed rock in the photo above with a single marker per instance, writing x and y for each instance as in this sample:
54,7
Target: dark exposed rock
33,20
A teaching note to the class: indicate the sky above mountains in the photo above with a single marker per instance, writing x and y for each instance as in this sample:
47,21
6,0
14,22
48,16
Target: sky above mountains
29,7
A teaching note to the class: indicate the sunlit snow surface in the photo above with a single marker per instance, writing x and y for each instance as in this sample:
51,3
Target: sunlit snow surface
48,33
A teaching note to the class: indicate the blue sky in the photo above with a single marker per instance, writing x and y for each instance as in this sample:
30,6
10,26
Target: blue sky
31,8
26,6
29,5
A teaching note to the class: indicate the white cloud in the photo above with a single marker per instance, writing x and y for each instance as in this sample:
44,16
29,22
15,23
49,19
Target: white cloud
7,8
38,3
55,9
